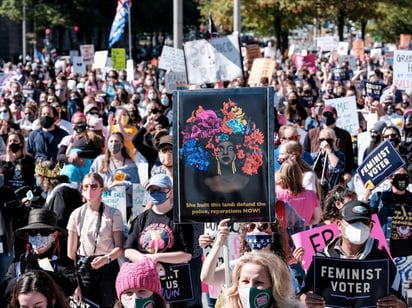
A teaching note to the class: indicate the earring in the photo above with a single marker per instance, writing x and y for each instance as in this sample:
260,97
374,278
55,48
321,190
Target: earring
234,166
219,170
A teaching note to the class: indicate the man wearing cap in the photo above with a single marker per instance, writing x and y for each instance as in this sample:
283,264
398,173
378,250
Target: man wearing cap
376,137
43,252
355,242
343,139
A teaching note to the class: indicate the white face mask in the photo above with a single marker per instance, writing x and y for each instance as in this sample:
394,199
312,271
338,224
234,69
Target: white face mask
357,233
152,96
129,302
4,116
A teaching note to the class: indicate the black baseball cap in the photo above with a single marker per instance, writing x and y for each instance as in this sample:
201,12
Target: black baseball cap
356,210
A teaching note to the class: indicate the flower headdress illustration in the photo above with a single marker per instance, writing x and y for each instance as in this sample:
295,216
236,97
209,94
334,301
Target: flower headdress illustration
206,128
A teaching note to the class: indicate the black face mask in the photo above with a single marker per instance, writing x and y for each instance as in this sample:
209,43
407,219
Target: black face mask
14,147
328,120
395,142
375,139
359,106
79,128
122,97
400,181
155,110
292,101
46,122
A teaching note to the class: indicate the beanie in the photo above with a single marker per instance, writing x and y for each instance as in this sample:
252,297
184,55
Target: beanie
140,275
379,126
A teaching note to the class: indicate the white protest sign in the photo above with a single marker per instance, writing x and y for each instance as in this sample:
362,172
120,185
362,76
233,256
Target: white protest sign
175,81
130,70
87,53
116,198
363,140
327,43
214,60
347,113
100,59
402,69
138,199
343,48
351,59
172,59
78,65
376,52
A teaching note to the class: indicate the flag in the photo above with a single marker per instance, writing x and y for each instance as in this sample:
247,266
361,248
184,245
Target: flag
119,22
212,29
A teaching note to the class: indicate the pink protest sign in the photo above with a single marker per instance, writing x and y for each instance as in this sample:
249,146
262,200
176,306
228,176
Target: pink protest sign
308,61
317,238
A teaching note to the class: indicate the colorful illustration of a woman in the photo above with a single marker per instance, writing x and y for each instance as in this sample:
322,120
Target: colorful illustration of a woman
223,144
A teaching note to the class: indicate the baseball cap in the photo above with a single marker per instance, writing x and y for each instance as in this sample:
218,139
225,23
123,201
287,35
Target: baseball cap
356,210
89,107
330,109
160,180
165,140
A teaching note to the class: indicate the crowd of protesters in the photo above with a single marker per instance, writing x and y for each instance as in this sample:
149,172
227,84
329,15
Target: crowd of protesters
67,137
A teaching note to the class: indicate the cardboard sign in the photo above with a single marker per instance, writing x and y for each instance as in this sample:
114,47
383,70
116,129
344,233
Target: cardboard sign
326,43
213,60
351,283
176,283
100,59
358,48
85,303
175,81
402,69
250,53
79,66
379,164
172,59
346,108
309,61
317,238
116,198
87,53
210,185
262,67
404,41
373,89
119,58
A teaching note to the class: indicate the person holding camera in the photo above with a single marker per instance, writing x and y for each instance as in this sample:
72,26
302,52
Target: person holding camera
43,237
95,241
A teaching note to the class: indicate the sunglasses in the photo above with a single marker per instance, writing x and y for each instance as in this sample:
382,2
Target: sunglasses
166,150
329,140
42,232
297,137
391,136
260,227
92,186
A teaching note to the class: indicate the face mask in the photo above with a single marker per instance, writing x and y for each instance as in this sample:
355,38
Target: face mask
165,101
292,101
155,110
136,101
357,233
79,128
39,242
30,118
4,116
149,83
158,197
152,96
255,298
328,120
114,147
329,90
138,302
14,147
122,97
46,122
91,195
395,141
400,181
258,241
375,138
124,119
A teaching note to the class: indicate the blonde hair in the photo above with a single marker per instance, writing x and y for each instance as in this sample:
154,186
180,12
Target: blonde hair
331,133
283,295
291,176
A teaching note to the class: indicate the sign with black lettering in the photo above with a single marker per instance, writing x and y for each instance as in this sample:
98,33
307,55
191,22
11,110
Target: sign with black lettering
176,283
213,60
223,167
402,69
351,283
379,164
373,89
85,303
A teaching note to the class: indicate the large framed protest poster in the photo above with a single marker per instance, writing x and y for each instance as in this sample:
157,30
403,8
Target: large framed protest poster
351,283
223,155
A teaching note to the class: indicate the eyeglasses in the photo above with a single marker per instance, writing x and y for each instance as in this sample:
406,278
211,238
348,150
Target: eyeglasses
390,136
297,137
42,232
260,227
329,140
166,150
92,186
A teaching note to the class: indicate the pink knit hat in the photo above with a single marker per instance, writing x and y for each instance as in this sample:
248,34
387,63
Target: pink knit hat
140,275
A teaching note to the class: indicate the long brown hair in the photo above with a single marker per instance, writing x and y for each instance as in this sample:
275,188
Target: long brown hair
107,155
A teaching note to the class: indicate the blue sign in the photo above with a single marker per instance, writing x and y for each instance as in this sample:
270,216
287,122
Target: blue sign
379,164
